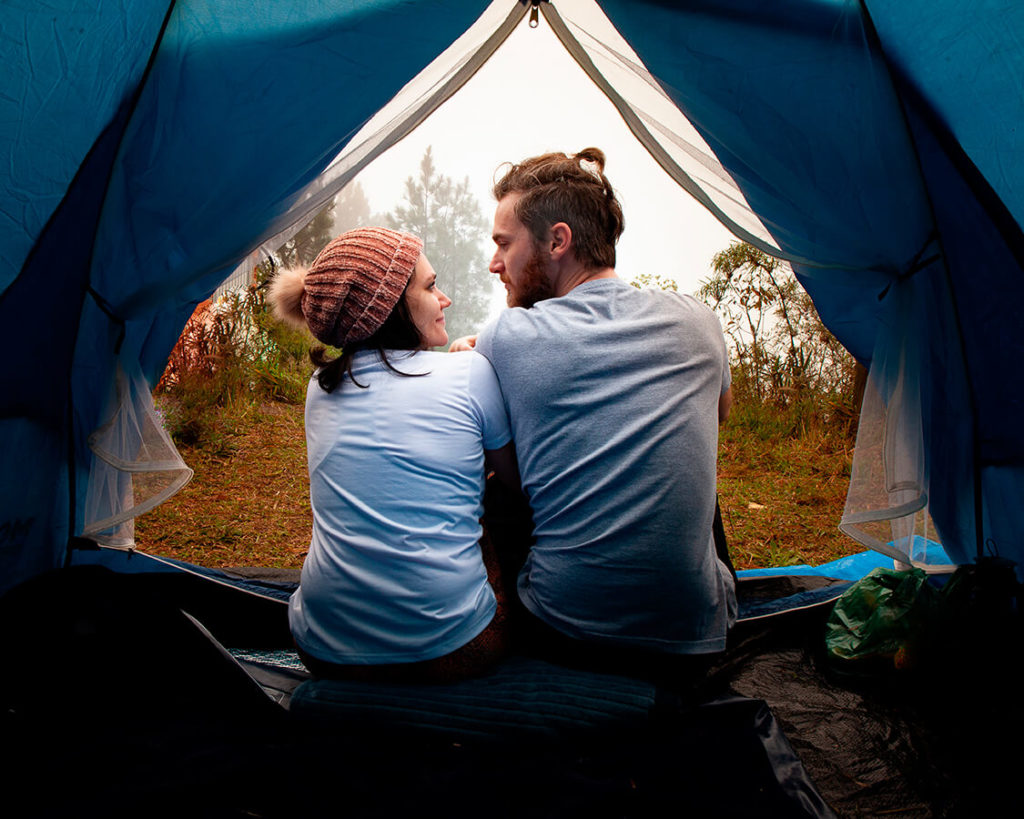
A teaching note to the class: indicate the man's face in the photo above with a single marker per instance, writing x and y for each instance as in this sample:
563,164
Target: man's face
518,261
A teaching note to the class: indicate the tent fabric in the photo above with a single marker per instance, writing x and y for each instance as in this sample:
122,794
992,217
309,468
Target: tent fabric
419,98
118,476
163,182
878,139
845,128
136,465
761,593
887,501
65,74
660,127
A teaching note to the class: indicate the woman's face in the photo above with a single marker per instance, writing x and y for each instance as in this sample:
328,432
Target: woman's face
426,304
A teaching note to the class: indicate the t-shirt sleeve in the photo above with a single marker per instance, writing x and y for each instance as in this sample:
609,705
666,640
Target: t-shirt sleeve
487,402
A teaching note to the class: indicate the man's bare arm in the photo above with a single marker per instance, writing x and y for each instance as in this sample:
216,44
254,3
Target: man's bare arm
504,465
724,405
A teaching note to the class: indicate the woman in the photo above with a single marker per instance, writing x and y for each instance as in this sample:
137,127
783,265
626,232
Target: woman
393,586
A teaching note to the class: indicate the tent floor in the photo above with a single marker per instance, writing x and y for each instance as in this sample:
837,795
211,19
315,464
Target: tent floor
117,704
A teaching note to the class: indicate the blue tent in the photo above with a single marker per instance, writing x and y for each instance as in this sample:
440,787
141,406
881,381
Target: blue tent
877,142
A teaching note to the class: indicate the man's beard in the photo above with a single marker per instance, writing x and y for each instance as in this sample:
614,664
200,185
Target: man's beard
534,285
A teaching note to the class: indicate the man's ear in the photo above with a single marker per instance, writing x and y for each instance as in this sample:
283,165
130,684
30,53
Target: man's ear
559,240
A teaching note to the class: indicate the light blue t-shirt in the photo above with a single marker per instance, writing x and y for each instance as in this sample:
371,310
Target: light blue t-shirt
613,394
394,571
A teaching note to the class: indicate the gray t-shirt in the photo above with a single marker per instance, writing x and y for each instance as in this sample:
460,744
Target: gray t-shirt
613,397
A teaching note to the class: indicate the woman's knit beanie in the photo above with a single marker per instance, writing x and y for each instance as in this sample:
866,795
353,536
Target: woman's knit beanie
351,287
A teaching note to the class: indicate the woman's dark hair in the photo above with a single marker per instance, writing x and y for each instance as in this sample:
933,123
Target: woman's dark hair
398,332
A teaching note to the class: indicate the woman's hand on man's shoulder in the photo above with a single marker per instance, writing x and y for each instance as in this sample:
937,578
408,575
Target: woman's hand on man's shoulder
463,344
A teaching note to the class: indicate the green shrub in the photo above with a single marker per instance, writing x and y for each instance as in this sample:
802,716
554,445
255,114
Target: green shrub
231,356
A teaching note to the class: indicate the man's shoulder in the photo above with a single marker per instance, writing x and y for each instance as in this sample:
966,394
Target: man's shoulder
671,298
640,298
550,312
681,306
604,303
509,326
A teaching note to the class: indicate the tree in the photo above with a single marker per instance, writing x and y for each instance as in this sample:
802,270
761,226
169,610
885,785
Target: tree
304,246
448,218
661,283
351,208
780,344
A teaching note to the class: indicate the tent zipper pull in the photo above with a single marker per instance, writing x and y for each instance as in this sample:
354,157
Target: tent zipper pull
534,21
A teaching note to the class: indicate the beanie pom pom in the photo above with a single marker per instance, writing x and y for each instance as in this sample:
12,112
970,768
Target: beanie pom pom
285,295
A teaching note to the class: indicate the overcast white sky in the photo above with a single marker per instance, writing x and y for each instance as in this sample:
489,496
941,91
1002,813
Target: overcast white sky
529,98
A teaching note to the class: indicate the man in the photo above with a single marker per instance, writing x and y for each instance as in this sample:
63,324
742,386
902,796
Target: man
614,395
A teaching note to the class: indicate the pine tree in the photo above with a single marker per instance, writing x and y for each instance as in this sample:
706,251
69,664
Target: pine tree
448,218
304,246
351,208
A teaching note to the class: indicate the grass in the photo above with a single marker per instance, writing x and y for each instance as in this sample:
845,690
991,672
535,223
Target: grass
232,397
782,498
781,489
248,504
